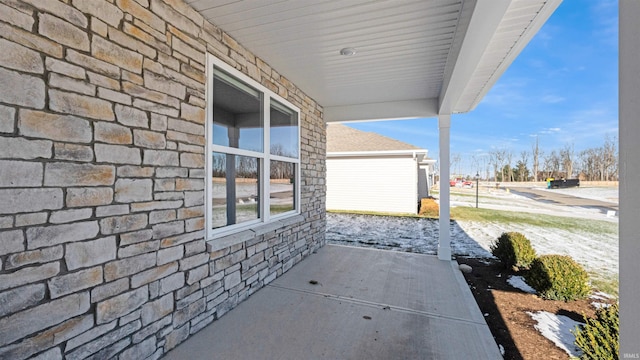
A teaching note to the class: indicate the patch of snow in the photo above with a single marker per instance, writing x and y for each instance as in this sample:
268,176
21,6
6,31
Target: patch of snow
501,200
599,305
501,349
418,235
519,283
557,328
601,296
598,253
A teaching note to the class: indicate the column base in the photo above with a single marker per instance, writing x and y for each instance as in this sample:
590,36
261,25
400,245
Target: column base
444,253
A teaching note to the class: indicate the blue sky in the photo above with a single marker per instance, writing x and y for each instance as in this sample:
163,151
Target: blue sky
562,89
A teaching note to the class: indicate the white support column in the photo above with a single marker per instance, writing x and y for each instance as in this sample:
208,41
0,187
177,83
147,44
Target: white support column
629,75
444,242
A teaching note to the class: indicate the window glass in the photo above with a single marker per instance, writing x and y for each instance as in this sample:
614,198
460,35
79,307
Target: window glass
282,187
235,189
283,131
254,167
237,114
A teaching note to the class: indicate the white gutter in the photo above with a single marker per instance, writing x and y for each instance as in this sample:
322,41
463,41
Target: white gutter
412,153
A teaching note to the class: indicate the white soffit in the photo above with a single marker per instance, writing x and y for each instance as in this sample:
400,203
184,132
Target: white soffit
407,63
521,22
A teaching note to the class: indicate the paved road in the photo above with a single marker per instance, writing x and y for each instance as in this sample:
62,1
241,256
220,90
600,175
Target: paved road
551,197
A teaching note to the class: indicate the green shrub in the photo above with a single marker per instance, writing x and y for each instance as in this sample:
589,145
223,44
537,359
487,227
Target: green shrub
558,277
514,250
598,338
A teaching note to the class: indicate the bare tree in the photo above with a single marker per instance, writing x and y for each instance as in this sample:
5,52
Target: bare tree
436,171
535,151
479,164
500,157
219,165
475,163
455,162
610,158
496,161
567,158
508,155
487,166
600,163
551,164
589,164
522,170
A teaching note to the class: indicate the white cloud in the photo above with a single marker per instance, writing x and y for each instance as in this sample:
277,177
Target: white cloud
549,131
552,99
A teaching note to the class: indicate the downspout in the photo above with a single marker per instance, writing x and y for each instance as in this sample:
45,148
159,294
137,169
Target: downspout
416,180
416,183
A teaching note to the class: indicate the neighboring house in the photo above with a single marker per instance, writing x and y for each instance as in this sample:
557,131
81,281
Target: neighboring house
157,169
370,172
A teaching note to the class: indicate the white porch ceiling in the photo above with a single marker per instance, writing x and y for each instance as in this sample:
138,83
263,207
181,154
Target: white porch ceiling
415,58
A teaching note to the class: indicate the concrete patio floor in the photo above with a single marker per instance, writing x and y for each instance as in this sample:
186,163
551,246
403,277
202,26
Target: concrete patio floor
366,304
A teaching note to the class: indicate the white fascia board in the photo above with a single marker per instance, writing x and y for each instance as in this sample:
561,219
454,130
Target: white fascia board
541,18
485,19
388,110
413,153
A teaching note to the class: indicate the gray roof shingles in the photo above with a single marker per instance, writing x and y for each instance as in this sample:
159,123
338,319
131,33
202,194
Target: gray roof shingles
342,138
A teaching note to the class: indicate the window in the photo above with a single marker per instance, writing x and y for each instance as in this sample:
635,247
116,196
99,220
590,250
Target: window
253,147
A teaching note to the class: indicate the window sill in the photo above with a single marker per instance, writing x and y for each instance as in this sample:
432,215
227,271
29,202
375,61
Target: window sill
226,241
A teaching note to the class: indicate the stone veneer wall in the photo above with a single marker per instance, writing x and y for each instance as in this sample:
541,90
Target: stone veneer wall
102,249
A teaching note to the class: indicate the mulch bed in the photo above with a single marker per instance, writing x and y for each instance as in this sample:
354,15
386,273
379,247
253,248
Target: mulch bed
507,308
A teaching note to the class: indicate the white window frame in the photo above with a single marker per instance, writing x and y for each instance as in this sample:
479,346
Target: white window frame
264,157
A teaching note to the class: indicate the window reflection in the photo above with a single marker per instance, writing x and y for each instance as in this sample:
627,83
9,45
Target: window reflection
283,131
235,189
254,167
237,118
282,187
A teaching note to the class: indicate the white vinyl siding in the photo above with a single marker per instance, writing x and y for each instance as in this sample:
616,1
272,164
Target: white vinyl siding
380,184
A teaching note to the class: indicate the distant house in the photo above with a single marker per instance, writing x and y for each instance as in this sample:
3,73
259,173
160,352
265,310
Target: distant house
370,172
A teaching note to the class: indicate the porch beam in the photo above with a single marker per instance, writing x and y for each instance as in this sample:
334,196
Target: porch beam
444,240
384,110
485,19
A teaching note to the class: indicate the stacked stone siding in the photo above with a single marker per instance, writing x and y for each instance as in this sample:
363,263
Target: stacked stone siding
102,244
